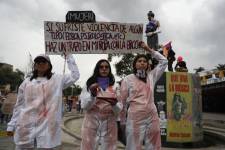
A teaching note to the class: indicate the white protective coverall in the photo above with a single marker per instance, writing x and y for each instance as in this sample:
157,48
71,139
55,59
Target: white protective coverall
37,113
99,125
142,122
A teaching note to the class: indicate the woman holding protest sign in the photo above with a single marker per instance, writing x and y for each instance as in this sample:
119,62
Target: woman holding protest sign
137,92
37,113
99,99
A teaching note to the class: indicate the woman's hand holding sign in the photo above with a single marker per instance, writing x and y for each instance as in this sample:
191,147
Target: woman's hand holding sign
94,88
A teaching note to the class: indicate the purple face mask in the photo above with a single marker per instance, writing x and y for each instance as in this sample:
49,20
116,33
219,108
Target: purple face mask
103,82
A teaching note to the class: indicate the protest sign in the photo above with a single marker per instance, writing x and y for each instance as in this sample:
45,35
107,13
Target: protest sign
7,108
92,38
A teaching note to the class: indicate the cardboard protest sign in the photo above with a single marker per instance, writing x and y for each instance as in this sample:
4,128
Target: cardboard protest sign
7,108
92,38
80,16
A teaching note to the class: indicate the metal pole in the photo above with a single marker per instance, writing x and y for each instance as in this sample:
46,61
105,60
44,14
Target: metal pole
64,66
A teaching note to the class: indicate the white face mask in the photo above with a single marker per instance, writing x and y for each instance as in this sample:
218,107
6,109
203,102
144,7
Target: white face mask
141,73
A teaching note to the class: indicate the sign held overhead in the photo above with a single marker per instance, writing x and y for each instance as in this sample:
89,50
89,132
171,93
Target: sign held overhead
92,38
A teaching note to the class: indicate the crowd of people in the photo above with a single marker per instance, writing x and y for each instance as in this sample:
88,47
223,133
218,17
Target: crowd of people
36,118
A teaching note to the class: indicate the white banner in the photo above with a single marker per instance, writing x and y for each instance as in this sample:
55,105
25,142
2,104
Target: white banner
92,38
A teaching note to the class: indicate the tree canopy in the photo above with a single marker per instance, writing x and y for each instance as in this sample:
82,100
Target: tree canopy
8,76
124,66
220,66
73,90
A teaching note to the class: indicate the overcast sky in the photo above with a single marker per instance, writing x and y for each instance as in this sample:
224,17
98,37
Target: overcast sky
195,27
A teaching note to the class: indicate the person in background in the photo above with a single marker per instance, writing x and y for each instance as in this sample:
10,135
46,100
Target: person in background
168,52
78,106
70,104
137,93
80,109
99,99
181,65
121,130
2,115
152,30
37,114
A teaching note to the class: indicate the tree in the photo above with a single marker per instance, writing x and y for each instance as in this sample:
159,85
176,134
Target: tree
221,67
73,90
199,69
124,66
8,76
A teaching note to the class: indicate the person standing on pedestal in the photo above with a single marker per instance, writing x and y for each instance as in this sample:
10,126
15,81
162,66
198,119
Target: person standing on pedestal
181,65
152,30
168,52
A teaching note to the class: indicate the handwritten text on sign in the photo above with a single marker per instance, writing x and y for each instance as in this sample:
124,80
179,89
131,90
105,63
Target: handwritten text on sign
179,83
94,38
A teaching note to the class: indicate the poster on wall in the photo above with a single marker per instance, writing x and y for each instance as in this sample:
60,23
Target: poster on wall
179,107
179,103
160,101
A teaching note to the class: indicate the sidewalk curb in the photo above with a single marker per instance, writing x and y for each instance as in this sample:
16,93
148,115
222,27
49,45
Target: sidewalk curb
76,145
71,133
215,133
68,131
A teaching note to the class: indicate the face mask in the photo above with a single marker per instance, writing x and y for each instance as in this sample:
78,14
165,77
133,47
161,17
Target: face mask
141,73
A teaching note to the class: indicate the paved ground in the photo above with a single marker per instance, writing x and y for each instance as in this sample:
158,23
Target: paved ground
71,142
74,125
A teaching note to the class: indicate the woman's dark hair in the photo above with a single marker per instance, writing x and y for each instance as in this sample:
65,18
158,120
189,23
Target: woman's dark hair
47,74
135,61
151,14
93,78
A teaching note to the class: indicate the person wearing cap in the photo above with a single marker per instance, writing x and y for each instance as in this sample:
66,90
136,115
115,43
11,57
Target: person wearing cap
140,117
181,65
36,120
152,30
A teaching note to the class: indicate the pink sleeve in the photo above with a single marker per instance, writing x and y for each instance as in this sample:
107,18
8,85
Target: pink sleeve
123,98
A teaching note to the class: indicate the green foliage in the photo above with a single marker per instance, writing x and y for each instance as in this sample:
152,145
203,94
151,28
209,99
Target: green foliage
8,76
221,67
124,66
73,90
